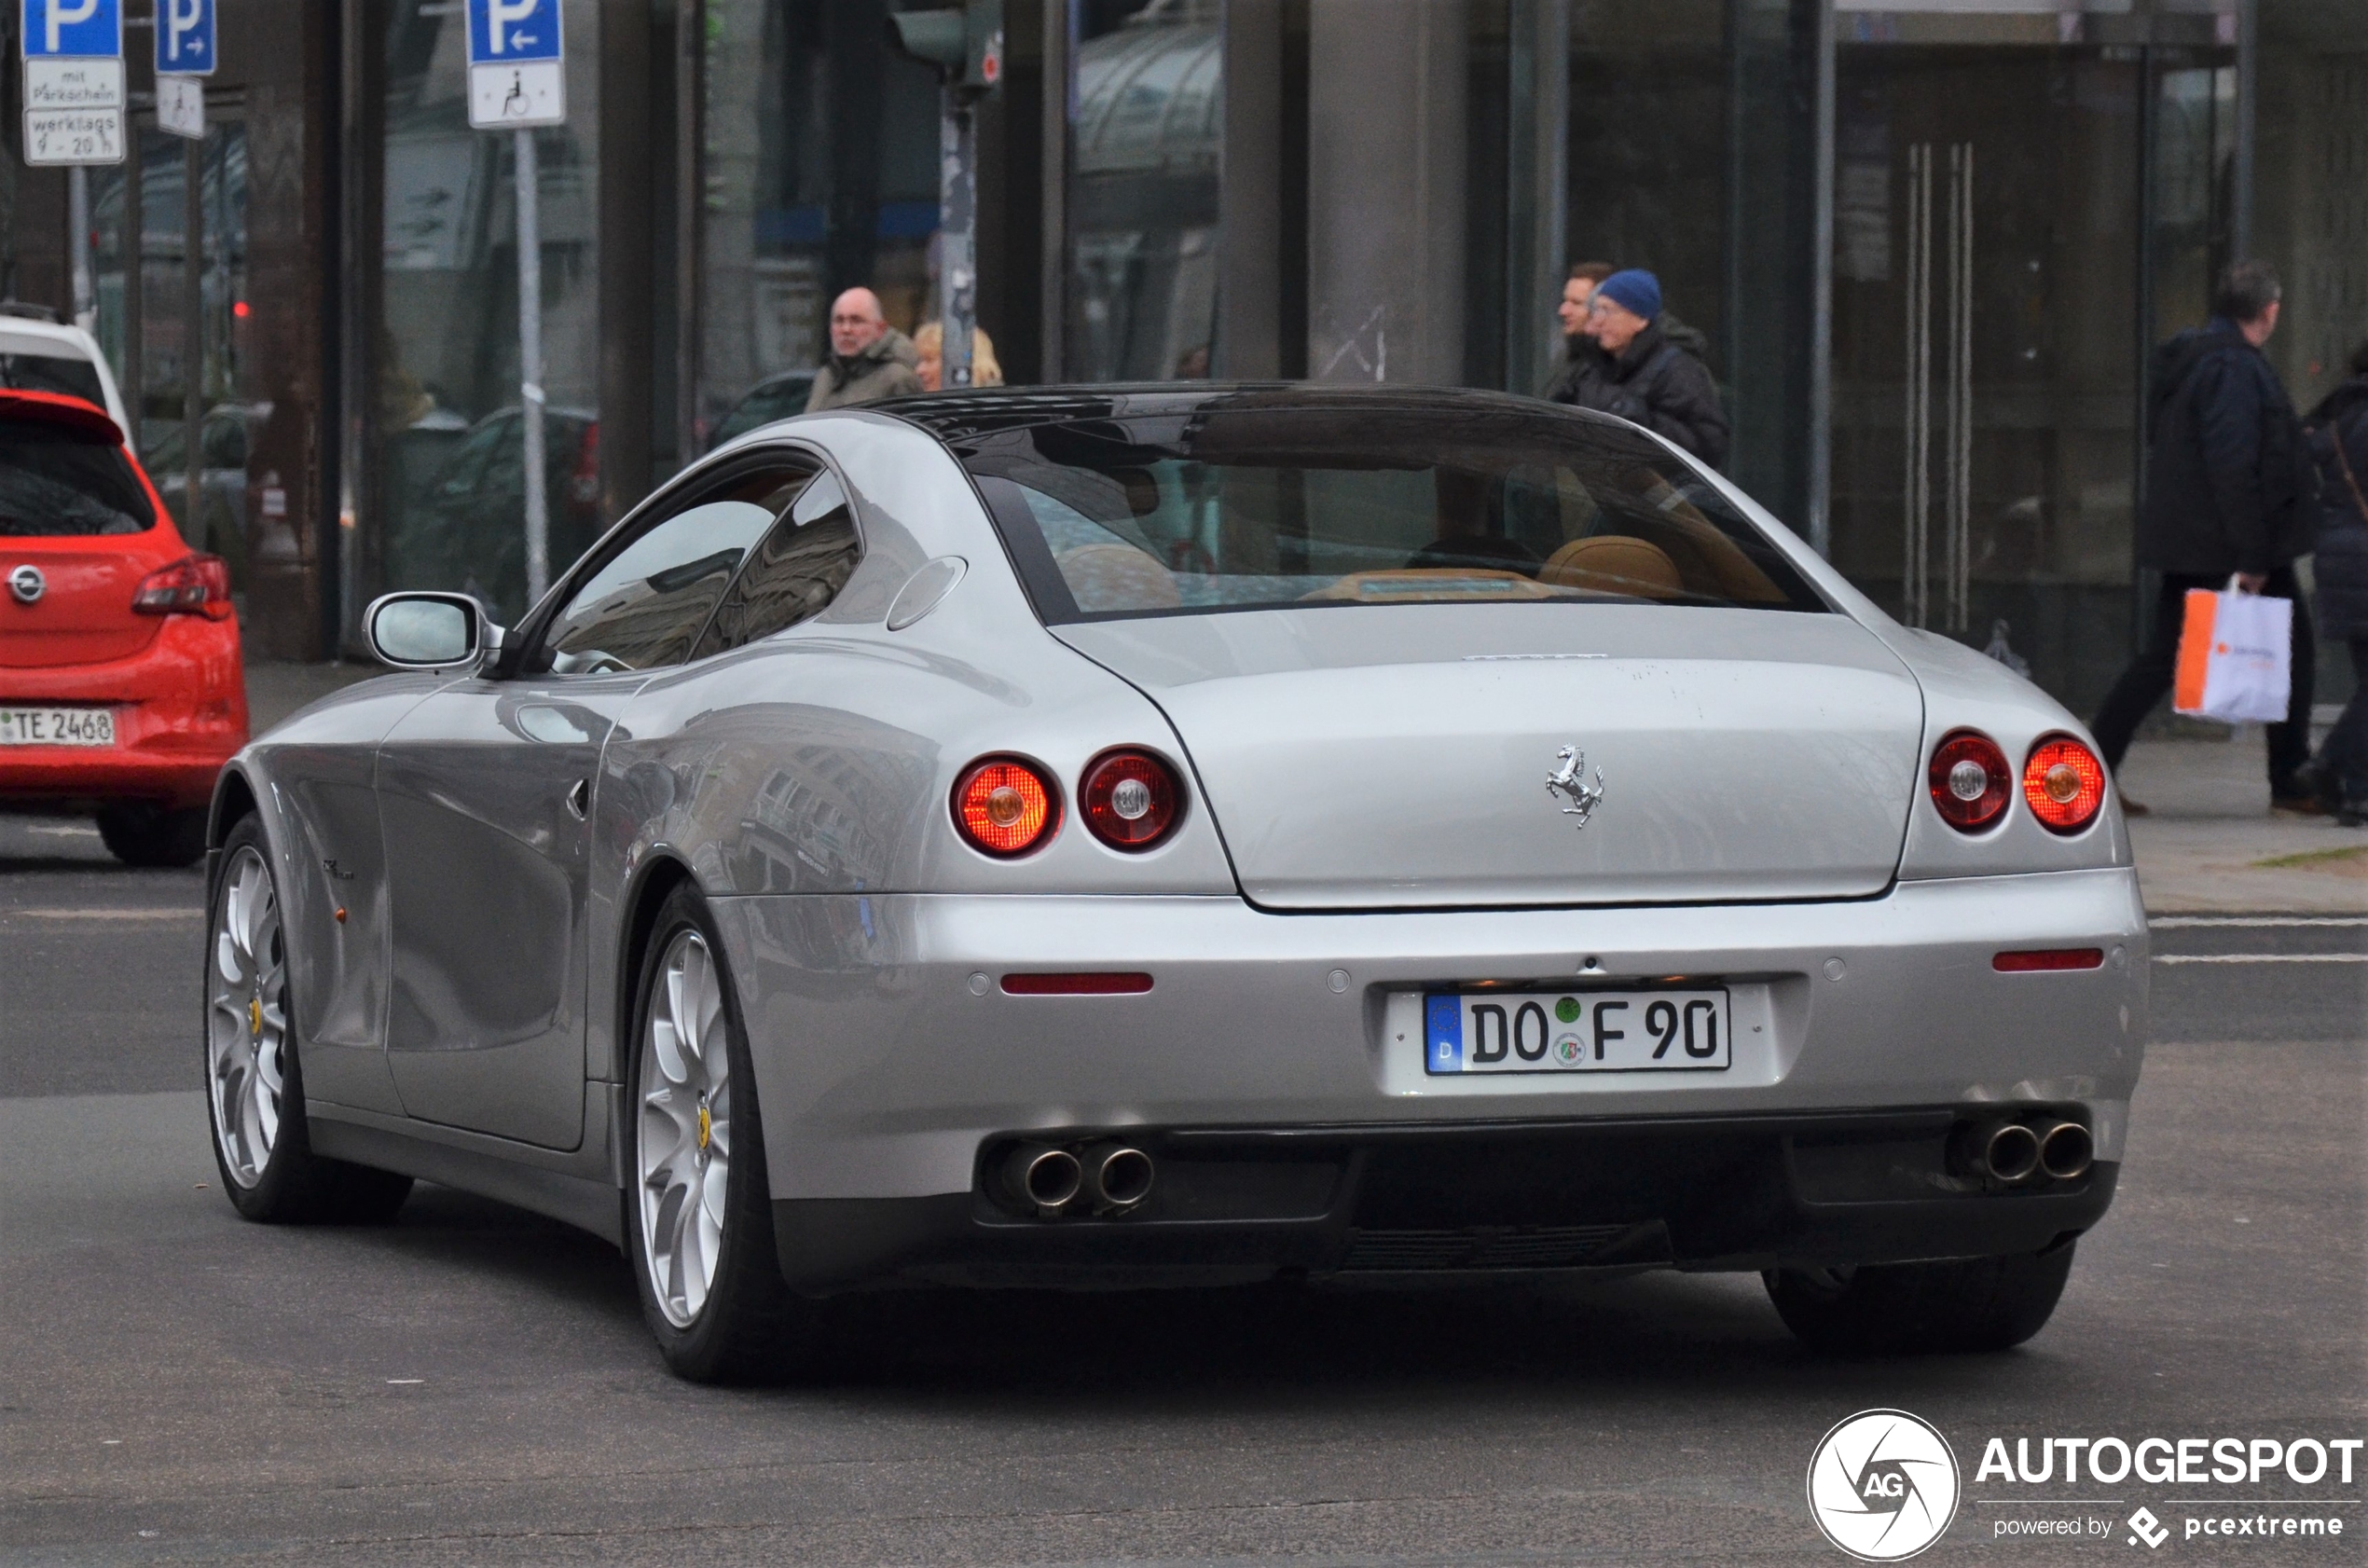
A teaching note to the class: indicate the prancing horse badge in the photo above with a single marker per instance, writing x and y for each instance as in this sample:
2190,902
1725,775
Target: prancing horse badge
1570,779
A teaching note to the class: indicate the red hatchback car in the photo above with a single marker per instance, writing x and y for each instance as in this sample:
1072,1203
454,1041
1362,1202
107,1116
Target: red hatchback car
122,690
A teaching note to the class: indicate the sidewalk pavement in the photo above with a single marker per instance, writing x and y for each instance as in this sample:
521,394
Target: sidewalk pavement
2212,844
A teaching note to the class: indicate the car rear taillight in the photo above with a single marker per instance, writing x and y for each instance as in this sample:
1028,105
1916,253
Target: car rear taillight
1004,807
1970,780
2064,784
1130,799
194,585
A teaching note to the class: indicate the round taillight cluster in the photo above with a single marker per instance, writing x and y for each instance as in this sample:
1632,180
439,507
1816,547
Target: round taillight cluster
1004,807
1971,782
1129,799
2063,784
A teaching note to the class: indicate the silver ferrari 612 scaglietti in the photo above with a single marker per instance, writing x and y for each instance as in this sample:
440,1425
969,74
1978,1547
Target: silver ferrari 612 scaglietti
1182,835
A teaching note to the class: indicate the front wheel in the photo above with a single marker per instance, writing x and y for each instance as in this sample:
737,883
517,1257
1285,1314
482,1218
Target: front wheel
254,1083
1970,1304
699,1213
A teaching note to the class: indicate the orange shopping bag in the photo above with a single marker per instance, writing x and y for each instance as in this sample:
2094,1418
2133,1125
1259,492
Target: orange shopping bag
2233,652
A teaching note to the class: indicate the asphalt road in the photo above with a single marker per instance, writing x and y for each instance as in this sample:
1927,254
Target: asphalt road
474,1384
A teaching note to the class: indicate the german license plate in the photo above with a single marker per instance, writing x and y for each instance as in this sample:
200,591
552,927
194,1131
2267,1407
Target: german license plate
57,726
1576,1032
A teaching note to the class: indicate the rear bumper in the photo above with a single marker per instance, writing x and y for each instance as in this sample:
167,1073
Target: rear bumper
888,1058
1238,1205
181,712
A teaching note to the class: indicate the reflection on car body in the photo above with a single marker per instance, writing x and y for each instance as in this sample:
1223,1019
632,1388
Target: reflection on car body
1097,925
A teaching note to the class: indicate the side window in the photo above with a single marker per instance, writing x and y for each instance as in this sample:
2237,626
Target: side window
645,606
795,573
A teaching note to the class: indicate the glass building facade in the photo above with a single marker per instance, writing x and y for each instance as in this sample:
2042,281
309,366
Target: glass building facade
1926,244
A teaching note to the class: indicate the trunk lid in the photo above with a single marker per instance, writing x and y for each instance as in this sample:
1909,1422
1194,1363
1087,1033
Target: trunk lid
84,613
1399,757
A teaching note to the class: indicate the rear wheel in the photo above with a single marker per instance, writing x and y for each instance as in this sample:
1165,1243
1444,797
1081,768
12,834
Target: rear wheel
1972,1304
142,833
254,1083
700,1212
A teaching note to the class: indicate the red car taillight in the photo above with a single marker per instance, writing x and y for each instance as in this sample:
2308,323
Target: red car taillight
1970,780
1004,807
1130,799
2063,784
195,586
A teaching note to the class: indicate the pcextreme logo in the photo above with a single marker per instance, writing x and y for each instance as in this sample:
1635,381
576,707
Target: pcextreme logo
1883,1485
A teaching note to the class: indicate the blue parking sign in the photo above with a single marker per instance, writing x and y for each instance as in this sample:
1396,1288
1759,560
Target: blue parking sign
82,29
513,32
185,38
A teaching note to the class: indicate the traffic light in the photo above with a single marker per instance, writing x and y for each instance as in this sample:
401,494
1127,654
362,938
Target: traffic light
965,44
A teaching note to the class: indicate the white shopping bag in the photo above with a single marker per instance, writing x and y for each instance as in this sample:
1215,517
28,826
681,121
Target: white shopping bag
2234,649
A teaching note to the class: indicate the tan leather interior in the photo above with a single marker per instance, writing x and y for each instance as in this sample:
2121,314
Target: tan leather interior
1614,563
1117,577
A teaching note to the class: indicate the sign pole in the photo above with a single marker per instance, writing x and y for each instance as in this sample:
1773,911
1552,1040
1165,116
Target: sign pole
193,340
538,502
517,80
86,293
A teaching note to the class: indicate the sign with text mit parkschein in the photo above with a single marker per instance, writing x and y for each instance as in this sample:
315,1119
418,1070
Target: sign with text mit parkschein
73,81
517,64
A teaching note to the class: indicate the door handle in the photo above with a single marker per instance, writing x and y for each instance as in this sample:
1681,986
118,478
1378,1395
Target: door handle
579,799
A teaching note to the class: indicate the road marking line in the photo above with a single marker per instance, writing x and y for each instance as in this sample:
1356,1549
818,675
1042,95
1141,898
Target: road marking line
2260,958
2176,922
107,914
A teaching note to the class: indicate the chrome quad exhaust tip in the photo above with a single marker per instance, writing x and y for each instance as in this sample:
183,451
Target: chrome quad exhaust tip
1044,1176
2066,1150
1117,1178
2010,1152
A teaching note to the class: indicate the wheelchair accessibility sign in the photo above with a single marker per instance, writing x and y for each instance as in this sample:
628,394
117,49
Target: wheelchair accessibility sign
517,64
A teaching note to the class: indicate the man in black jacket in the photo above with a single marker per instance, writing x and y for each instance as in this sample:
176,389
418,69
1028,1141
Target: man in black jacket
1640,374
2224,487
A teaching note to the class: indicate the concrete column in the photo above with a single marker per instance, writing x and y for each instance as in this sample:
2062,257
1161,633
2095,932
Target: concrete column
1385,239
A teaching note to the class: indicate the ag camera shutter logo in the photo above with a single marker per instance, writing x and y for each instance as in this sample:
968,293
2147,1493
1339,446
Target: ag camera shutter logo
1883,1485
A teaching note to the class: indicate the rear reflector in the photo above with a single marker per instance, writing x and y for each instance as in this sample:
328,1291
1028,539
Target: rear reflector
1110,982
2041,960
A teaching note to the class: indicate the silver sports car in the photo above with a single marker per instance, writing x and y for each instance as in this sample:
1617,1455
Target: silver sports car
1182,835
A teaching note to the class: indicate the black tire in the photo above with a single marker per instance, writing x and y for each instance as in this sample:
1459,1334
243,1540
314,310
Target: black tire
1912,1309
293,1185
142,833
750,1327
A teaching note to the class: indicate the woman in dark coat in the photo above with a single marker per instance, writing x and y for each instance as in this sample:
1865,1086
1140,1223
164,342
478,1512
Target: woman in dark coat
2337,433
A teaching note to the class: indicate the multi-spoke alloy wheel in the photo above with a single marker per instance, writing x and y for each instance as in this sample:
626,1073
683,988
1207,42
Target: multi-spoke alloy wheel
685,1143
254,1066
246,1018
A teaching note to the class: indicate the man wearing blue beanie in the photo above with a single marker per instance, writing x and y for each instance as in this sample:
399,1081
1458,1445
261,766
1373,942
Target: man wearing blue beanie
1642,376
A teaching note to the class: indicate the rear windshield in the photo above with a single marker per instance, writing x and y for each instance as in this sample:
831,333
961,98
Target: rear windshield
55,481
53,373
1223,510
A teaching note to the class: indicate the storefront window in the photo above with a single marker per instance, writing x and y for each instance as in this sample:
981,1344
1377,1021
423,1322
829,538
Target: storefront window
821,165
451,485
1148,118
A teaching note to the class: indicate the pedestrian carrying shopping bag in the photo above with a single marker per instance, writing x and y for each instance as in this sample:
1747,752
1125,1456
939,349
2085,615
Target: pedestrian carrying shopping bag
2233,652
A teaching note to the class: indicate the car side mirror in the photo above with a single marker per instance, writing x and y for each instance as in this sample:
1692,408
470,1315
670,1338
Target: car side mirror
430,631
